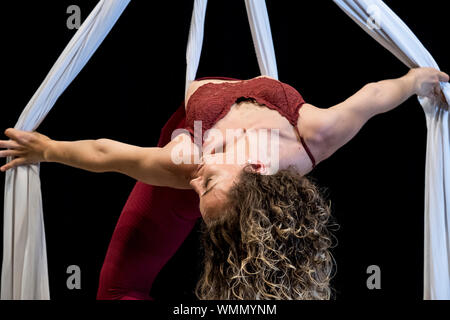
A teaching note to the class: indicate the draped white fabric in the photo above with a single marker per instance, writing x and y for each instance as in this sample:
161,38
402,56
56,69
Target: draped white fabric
24,268
195,41
262,38
375,17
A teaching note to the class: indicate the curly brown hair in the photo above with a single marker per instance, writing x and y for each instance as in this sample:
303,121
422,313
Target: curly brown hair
272,241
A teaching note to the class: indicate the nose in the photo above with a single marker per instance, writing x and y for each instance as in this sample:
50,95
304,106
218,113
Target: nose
195,184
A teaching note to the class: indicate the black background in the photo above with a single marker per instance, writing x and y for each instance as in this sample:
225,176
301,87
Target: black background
135,80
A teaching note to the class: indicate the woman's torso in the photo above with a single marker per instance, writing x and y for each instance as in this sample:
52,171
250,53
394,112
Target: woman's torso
253,116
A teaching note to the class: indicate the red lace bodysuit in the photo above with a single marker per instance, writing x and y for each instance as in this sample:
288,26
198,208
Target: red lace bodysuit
152,226
212,101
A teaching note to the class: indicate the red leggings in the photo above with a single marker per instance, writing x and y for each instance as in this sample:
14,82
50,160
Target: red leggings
152,226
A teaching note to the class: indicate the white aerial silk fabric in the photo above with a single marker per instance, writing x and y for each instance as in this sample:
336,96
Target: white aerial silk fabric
24,267
379,21
260,28
195,41
262,37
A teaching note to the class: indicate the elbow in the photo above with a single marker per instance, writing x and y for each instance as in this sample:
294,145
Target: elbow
378,100
102,145
374,90
101,155
373,86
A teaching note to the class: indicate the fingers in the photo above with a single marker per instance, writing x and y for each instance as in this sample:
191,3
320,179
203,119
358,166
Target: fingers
9,144
20,136
14,148
10,132
433,92
13,164
443,101
10,153
443,77
437,90
14,134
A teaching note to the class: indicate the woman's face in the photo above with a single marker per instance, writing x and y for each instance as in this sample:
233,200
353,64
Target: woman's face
212,182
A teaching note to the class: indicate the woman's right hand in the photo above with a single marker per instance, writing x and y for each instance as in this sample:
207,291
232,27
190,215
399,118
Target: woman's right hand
427,81
26,147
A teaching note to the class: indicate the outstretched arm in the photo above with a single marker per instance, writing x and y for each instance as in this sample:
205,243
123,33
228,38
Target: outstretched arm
150,165
339,124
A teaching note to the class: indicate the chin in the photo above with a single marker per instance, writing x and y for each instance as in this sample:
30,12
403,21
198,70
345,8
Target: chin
209,218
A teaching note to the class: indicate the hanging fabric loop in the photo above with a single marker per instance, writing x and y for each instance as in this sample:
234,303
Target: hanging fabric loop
258,19
380,22
24,266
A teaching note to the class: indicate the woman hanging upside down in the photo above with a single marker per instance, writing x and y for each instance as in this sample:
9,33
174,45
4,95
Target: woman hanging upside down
265,232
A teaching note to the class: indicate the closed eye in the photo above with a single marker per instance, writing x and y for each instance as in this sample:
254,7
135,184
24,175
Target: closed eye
206,187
